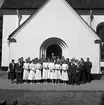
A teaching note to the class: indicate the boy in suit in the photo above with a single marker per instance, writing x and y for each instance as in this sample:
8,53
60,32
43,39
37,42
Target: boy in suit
12,67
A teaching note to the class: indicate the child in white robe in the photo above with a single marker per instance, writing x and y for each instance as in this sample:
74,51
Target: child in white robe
26,67
38,67
57,72
45,71
51,67
31,76
64,72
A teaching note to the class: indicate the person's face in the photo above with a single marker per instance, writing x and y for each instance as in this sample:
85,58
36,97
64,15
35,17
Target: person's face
29,58
88,59
21,58
26,60
12,61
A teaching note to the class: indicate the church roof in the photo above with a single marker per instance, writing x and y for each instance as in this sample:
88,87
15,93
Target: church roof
14,33
31,4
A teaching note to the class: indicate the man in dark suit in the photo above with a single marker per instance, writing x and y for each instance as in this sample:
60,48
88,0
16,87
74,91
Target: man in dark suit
88,66
69,72
73,68
78,73
19,70
12,67
22,63
83,71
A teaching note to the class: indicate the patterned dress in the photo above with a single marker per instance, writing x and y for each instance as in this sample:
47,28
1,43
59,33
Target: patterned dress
26,67
64,72
32,72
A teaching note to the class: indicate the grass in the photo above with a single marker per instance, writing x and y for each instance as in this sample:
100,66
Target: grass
52,98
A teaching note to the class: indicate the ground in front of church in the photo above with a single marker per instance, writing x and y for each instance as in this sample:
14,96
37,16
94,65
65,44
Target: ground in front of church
48,94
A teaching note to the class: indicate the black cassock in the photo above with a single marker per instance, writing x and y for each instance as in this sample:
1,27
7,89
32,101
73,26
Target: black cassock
73,69
19,70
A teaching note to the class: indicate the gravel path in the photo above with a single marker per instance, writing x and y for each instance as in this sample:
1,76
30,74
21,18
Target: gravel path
96,85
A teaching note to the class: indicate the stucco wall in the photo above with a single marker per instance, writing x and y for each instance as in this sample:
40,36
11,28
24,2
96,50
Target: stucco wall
56,20
10,23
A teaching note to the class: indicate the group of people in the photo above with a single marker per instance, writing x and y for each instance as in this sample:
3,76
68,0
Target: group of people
54,71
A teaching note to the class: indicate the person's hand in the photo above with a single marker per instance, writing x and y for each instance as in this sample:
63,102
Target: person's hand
8,71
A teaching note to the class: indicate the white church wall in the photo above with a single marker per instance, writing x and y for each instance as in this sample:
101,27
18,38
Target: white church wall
10,23
86,18
57,20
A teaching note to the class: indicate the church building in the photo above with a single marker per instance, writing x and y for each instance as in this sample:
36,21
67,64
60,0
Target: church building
69,28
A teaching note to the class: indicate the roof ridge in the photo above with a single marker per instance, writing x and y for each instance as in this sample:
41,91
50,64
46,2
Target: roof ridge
13,34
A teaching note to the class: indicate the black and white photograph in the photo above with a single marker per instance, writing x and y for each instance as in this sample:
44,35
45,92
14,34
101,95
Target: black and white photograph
51,52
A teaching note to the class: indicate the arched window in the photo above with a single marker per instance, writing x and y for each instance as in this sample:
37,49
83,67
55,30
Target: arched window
100,32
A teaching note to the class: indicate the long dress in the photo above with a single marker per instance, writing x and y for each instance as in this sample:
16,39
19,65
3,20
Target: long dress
32,72
26,67
45,70
38,71
64,72
57,73
51,67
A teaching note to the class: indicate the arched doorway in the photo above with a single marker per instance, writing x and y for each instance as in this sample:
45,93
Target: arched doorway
55,49
100,32
53,45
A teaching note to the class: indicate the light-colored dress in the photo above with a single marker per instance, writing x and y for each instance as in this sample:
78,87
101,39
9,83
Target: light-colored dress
57,73
38,67
51,67
32,72
45,70
64,72
26,67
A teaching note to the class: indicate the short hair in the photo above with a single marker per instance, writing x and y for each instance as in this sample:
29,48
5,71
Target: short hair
13,60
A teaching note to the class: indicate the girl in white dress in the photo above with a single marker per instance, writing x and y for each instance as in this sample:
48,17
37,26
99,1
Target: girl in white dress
45,71
26,67
64,72
57,73
31,76
51,67
38,67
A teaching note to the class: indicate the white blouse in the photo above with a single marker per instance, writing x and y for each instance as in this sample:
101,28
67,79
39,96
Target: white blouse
26,66
65,67
51,66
